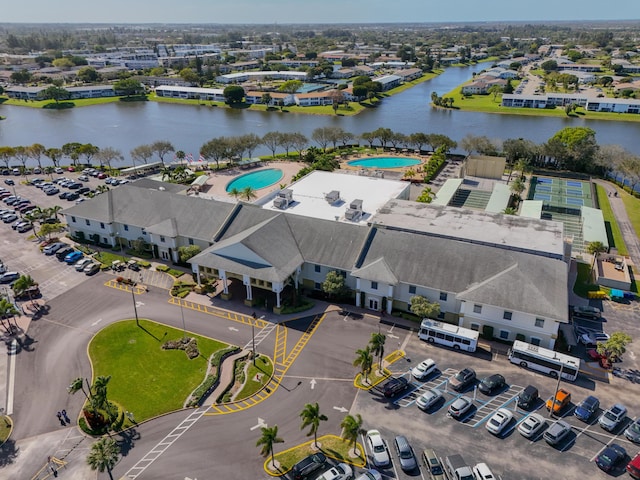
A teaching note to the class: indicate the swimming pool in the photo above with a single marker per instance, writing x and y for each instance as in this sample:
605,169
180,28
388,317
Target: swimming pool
256,180
384,162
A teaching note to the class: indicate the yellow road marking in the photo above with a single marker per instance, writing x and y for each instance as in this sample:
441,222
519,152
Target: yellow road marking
218,312
124,287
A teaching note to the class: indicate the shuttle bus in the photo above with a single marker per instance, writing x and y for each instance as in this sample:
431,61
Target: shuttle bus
544,360
459,338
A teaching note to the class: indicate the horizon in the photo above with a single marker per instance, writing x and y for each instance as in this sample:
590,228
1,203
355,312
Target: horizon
290,12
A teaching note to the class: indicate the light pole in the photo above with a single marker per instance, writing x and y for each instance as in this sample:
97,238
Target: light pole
135,308
253,338
184,328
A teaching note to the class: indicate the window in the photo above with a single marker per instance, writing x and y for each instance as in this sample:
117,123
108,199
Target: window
191,241
504,334
144,232
412,289
318,286
477,308
540,322
374,285
475,327
161,238
102,225
126,228
535,341
87,222
317,268
507,315
73,219
443,296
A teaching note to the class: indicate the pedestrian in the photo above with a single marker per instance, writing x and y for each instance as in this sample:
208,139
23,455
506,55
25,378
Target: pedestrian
62,422
59,415
66,418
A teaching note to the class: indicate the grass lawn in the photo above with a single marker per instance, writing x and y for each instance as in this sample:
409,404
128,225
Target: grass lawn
613,229
331,445
82,102
632,205
584,282
145,379
107,258
262,367
5,428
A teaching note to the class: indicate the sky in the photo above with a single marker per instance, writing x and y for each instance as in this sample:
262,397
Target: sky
319,11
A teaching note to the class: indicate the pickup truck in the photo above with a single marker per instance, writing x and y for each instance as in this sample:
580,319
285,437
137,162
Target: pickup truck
457,468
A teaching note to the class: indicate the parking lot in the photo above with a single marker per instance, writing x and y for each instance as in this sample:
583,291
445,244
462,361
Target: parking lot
509,454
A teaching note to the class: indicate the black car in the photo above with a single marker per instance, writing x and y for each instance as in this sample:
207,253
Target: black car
394,386
611,457
63,252
308,465
462,379
63,195
491,384
72,196
528,398
83,190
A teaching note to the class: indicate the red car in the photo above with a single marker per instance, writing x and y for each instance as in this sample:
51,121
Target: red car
102,175
633,468
597,357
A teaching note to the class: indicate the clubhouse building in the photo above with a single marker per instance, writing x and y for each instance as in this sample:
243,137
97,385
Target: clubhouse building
483,268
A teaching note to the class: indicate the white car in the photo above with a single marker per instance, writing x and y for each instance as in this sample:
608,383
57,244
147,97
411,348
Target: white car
428,399
340,471
532,425
82,263
378,447
499,420
593,338
482,472
370,474
424,369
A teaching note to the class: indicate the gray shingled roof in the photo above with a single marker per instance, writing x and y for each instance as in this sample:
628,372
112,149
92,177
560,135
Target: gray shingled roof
378,270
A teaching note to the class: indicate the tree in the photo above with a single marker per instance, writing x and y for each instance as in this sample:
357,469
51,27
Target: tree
188,251
87,150
162,148
495,90
615,346
188,75
23,284
143,153
87,75
423,307
333,284
518,186
351,429
595,249
106,156
54,155
299,141
426,196
36,151
266,99
63,63
322,136
7,309
272,141
248,193
267,440
128,87
216,149
377,346
104,455
290,86
311,417
21,77
71,150
233,94
99,393
21,154
6,154
364,360
574,148
549,66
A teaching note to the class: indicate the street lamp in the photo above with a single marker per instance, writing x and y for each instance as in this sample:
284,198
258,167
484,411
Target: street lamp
184,328
253,338
135,308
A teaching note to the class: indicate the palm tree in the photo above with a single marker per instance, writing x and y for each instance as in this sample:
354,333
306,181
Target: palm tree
99,396
248,193
311,417
7,309
235,193
55,211
23,284
364,360
102,189
77,385
267,440
595,249
351,428
103,455
167,174
377,346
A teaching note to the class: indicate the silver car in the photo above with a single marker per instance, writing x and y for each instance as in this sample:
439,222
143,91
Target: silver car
532,425
557,432
428,399
378,448
613,417
633,431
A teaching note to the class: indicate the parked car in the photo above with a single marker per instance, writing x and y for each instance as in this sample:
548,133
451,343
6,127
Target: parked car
73,257
491,384
561,400
460,407
461,380
9,181
9,277
63,252
498,422
602,360
53,248
632,432
31,292
557,432
57,170
308,465
424,369
394,386
592,339
587,311
52,191
434,467
18,223
613,417
83,178
378,447
611,457
407,458
633,467
72,196
133,265
370,474
24,227
587,408
532,425
342,471
428,399
12,217
91,269
528,398
102,175
79,266
482,472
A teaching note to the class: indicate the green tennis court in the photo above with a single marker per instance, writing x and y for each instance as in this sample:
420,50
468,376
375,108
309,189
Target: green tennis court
561,195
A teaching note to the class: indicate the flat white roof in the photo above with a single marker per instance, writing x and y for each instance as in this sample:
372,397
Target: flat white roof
309,195
497,229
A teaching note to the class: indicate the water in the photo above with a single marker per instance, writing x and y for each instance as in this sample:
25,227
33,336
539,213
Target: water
384,162
127,125
256,180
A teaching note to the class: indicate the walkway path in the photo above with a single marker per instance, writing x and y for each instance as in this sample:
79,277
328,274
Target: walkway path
620,212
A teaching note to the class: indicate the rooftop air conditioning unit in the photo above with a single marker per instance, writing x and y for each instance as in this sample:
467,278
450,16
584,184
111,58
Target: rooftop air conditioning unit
332,197
283,199
354,212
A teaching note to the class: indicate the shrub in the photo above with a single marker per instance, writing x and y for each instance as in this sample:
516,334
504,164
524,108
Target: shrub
144,264
162,268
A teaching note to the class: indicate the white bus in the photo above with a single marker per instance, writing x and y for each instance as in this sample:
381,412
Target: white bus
544,360
459,338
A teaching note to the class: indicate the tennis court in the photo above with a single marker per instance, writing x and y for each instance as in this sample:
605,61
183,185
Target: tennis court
560,195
